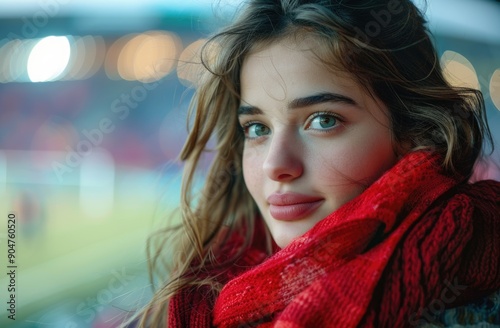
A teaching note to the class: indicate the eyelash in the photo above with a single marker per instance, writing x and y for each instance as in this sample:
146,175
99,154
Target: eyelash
245,126
338,119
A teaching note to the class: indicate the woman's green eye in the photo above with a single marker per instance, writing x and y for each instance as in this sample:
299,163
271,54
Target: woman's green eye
323,121
256,130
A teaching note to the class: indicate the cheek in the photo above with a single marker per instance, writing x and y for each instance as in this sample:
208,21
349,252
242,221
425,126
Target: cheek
371,156
357,161
252,172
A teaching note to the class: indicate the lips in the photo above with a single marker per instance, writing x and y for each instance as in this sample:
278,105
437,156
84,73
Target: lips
292,206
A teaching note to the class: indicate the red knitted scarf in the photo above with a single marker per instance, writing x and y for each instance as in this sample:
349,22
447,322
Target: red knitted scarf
414,241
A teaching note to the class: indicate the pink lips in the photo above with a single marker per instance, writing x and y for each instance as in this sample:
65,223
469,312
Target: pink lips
292,206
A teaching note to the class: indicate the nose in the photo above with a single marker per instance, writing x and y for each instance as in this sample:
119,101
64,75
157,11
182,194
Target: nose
283,161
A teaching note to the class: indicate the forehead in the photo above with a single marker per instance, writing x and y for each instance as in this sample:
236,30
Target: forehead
287,67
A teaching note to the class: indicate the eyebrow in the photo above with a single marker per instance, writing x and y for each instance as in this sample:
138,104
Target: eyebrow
323,97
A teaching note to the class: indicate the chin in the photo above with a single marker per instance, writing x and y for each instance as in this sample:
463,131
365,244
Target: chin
282,242
284,236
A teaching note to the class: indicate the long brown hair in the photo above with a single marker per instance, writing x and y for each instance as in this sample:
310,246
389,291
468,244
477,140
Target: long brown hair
385,45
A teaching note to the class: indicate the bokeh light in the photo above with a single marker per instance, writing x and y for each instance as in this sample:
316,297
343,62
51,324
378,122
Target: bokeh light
19,60
77,59
126,58
156,56
495,88
145,57
6,52
49,58
87,56
458,70
112,56
189,67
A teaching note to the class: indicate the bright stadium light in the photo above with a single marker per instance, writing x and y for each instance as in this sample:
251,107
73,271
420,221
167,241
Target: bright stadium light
48,58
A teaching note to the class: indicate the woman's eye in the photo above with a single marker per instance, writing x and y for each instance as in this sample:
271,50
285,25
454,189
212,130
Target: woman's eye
323,122
255,130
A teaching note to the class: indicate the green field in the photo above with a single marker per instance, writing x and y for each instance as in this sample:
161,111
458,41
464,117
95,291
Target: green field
71,268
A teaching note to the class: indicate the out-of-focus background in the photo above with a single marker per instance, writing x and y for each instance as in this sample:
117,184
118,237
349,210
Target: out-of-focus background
92,116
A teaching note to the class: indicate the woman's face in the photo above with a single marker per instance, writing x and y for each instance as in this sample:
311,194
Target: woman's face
314,139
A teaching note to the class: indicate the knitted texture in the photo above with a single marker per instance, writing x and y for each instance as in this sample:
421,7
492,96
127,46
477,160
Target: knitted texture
413,238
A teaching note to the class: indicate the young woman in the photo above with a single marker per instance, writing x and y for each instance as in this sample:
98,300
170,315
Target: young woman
338,193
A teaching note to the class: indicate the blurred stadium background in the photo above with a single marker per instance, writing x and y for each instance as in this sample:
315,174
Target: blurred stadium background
93,103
